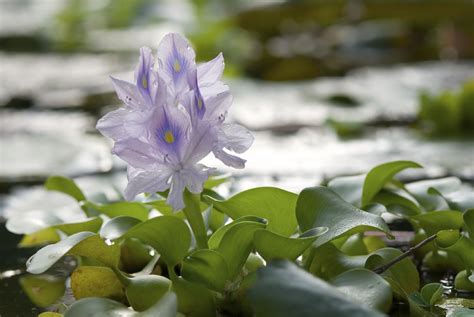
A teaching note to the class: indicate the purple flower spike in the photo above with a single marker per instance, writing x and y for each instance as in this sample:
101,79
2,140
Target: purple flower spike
174,116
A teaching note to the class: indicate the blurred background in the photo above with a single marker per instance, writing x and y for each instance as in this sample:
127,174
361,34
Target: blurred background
329,87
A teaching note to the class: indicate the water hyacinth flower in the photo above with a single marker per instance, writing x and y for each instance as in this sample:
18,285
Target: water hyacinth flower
174,116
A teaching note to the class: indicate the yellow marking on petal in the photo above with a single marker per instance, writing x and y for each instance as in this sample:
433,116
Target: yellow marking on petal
144,83
169,137
199,103
176,66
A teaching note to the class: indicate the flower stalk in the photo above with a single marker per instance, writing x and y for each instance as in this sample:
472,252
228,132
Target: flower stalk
192,210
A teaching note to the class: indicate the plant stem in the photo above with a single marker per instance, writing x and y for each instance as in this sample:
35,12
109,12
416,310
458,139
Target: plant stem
194,216
386,266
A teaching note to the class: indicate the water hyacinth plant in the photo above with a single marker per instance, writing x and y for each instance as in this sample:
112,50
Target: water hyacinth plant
266,252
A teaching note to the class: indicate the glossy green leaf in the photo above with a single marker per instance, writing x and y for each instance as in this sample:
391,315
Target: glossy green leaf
144,291
97,249
236,245
103,307
216,237
43,290
463,283
274,204
435,221
282,290
468,218
348,187
380,175
91,224
329,262
461,200
321,207
420,190
96,281
168,235
216,180
194,300
65,185
41,237
365,287
402,276
431,293
123,208
162,207
135,255
271,245
454,241
398,202
118,226
50,314
47,256
206,267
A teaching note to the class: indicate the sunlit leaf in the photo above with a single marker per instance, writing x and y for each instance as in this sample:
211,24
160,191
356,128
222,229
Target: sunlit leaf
96,281
194,300
91,224
236,245
380,175
145,290
321,207
41,237
43,290
123,208
348,187
118,226
274,204
206,267
47,256
65,185
420,190
435,221
168,235
271,245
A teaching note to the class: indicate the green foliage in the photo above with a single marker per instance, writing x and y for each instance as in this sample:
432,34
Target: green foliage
262,252
449,113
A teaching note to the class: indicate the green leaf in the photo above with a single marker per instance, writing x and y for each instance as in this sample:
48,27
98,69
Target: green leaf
32,224
468,218
431,293
329,261
43,290
453,241
168,235
85,244
321,207
118,226
97,249
284,290
123,208
194,300
47,256
274,204
96,281
206,267
236,245
420,190
103,307
398,202
145,290
216,237
402,276
41,237
463,283
65,185
348,187
271,245
365,287
435,221
380,175
90,224
216,180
